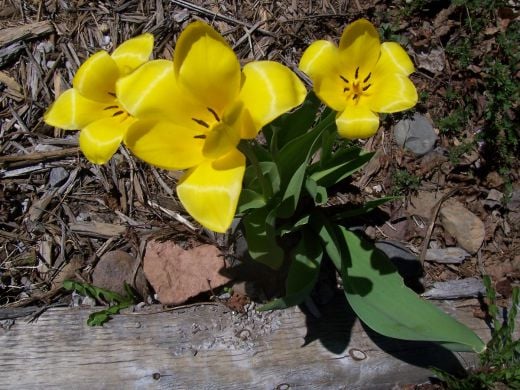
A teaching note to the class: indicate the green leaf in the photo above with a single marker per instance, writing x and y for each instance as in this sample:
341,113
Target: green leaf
366,208
303,272
249,199
260,235
317,192
379,297
293,124
340,166
269,171
118,301
329,238
292,164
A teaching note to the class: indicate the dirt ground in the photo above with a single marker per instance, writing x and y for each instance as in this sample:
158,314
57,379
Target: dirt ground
59,214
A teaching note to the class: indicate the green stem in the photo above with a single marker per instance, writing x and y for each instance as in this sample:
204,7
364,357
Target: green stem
245,147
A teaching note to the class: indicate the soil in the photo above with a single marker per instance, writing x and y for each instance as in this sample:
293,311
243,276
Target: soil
56,208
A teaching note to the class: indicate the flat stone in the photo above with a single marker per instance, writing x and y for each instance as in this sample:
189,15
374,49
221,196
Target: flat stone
452,255
463,225
177,274
405,261
416,134
57,176
116,268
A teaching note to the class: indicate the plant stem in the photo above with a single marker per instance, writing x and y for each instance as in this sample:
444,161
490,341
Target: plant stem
245,147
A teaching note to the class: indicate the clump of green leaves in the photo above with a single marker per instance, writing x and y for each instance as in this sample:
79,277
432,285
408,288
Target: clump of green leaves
403,182
116,301
500,362
285,200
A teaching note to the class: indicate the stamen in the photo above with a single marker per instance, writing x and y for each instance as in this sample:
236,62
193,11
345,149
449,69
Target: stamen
200,122
109,108
367,78
366,87
214,114
112,94
201,136
118,113
357,72
346,89
343,78
355,96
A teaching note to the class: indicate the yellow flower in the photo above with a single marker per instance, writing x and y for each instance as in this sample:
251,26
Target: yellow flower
360,78
92,106
193,113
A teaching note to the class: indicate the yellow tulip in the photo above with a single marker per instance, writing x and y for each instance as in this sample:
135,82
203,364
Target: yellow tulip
192,114
360,78
92,106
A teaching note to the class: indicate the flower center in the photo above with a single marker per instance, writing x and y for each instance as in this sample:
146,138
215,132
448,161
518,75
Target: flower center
205,124
116,110
353,90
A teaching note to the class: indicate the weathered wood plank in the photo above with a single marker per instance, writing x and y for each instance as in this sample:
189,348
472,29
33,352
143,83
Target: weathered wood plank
210,347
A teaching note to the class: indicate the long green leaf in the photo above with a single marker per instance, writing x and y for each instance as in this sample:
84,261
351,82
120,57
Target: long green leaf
365,208
293,124
260,235
338,168
303,272
379,297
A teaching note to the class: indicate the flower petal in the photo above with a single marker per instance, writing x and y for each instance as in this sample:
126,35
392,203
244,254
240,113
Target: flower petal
394,59
71,111
320,59
96,78
210,191
132,53
269,89
206,67
220,141
359,49
165,144
357,122
152,91
100,139
393,93
330,90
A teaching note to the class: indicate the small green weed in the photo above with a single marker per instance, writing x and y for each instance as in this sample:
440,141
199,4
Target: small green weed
117,301
500,362
403,182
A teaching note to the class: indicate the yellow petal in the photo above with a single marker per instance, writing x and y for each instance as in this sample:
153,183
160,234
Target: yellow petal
320,59
100,139
330,90
96,78
165,144
151,91
133,53
71,111
394,59
220,141
357,122
391,93
359,49
270,89
206,67
210,191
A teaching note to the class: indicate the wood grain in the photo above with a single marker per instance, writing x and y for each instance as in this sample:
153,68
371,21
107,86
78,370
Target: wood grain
210,347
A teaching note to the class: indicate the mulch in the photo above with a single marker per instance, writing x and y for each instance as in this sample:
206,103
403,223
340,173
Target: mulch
56,207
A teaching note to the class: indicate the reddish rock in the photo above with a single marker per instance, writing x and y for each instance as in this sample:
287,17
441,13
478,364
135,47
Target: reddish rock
178,274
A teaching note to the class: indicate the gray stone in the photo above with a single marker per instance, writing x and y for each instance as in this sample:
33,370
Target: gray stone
406,262
416,134
57,176
463,225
